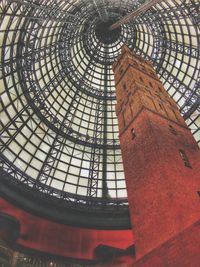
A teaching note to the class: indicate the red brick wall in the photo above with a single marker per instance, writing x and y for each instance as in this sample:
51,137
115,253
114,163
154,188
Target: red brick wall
162,192
181,251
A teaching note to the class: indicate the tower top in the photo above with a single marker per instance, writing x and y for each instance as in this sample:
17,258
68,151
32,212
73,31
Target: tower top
125,50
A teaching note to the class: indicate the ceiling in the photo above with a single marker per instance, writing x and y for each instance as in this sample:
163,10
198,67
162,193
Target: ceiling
59,130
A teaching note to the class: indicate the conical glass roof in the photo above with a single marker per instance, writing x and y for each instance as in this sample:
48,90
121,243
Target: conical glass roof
59,131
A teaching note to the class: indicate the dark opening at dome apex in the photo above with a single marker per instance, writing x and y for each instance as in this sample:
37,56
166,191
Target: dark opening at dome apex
105,35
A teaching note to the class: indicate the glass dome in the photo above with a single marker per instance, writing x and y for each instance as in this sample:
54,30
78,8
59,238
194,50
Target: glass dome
59,131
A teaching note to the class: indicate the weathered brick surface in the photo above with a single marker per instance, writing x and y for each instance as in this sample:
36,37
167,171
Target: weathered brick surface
180,251
162,191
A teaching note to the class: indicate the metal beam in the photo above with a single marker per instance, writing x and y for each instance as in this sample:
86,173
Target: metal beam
148,4
45,12
105,193
101,9
41,7
192,109
61,206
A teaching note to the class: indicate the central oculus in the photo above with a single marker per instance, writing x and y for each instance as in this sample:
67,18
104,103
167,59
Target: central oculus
105,35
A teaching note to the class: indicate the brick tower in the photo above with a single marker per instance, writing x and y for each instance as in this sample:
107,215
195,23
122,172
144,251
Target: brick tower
161,163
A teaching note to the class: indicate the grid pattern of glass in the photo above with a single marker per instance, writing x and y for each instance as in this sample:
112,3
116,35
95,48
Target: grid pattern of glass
59,130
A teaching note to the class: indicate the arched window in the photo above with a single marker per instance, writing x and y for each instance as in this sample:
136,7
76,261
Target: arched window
152,73
184,158
172,130
133,134
151,85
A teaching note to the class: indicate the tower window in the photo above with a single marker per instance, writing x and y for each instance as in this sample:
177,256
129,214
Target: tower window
150,84
198,192
172,130
152,73
121,71
174,114
160,106
133,134
185,158
124,86
141,79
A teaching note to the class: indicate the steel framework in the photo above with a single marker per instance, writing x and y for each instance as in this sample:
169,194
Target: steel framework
59,132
